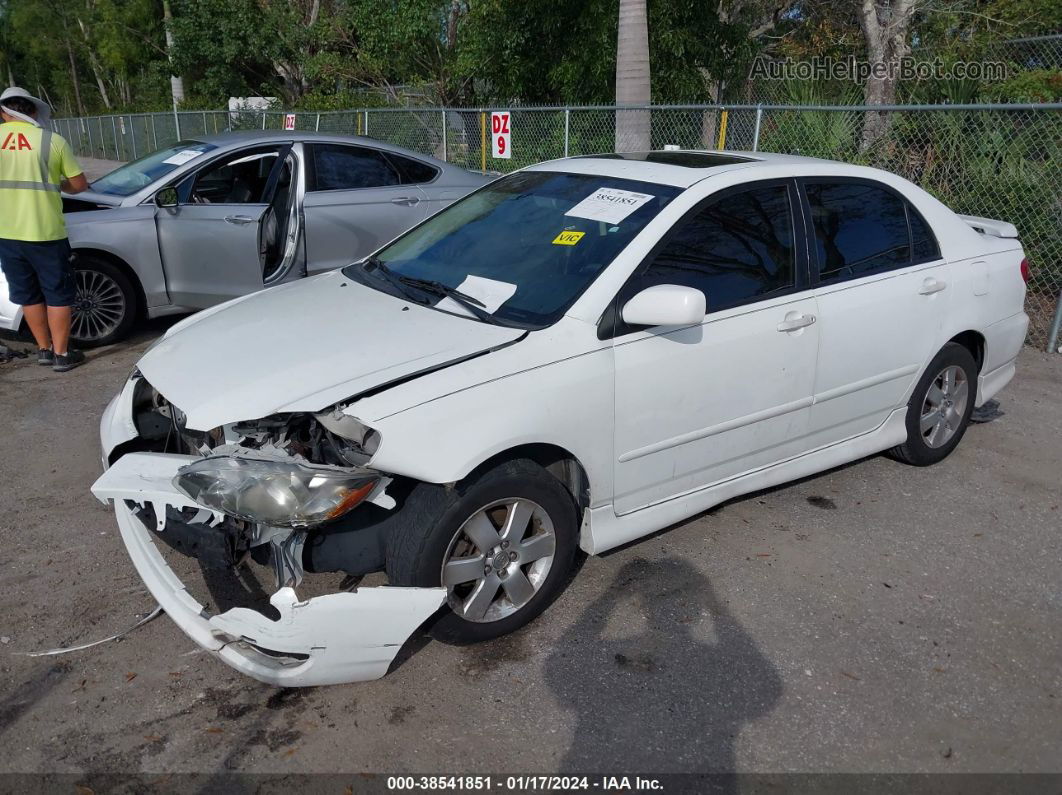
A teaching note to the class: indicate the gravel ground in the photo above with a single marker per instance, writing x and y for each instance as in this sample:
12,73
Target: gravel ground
877,617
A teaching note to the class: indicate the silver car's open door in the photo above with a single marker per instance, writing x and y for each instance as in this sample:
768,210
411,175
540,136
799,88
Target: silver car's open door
215,244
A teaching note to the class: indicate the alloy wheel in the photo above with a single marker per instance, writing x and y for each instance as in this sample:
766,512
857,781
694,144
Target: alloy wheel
944,407
99,307
498,559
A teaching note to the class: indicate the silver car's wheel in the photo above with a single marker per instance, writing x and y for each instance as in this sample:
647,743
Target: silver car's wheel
498,559
100,308
944,407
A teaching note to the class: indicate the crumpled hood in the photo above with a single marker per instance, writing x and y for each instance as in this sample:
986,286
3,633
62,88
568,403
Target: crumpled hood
304,346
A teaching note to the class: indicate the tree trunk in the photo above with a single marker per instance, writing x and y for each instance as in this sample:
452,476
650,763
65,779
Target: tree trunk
885,26
75,79
94,63
632,77
176,82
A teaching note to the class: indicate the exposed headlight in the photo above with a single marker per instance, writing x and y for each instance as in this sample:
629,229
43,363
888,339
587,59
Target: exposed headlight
275,493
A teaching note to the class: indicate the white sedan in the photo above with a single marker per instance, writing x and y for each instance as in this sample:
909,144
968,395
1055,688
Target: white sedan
572,357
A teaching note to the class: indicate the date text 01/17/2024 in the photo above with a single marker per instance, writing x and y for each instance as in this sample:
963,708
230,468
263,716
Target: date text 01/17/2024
523,783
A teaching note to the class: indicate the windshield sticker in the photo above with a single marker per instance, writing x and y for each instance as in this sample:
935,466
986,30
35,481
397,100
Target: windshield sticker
182,157
610,205
488,292
568,238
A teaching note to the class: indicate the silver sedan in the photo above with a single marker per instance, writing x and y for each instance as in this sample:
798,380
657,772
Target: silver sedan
214,218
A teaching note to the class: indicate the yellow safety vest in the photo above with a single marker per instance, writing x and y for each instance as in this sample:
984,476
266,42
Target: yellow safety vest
33,163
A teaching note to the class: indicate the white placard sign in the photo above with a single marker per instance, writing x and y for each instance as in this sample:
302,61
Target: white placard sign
182,157
610,205
289,121
499,135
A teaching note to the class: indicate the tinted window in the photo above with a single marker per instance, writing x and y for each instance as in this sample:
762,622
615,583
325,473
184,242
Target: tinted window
738,248
924,244
338,167
859,229
412,171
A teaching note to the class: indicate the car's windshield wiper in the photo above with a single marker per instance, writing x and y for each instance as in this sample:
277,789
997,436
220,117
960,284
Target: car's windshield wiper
473,305
389,276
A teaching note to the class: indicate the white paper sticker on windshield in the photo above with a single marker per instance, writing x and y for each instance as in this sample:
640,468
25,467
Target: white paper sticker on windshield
182,157
491,293
488,292
610,205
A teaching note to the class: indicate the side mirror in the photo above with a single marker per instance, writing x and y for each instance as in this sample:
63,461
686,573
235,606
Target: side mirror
665,305
167,197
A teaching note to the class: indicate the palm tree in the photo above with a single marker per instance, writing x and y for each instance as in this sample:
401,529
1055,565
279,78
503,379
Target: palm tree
632,76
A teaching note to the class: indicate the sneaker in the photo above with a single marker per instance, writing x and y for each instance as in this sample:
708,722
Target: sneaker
68,361
45,357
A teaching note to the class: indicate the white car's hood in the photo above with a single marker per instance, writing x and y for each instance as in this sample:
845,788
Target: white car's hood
303,347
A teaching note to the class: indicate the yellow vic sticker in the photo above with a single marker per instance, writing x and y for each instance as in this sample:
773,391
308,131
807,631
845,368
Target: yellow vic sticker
568,238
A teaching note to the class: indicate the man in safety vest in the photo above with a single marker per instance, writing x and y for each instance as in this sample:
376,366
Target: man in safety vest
35,164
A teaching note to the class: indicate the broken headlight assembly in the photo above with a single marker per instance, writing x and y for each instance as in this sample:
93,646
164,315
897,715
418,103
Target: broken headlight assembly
275,493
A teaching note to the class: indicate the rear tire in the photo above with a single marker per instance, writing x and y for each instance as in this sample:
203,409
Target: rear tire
940,407
504,542
106,305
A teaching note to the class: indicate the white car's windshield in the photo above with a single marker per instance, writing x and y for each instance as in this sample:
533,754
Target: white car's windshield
522,248
128,179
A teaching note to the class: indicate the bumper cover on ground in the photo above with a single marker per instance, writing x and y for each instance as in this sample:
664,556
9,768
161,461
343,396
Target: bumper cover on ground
340,637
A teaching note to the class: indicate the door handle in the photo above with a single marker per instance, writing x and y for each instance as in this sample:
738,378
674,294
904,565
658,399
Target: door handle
408,201
931,285
239,220
795,323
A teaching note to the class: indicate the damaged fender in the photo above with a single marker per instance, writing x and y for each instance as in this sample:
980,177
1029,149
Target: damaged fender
335,638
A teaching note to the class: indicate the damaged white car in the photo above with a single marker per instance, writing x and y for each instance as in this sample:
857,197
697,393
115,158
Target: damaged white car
574,356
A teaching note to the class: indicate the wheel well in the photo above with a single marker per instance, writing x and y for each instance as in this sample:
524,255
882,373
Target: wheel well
123,266
974,342
556,460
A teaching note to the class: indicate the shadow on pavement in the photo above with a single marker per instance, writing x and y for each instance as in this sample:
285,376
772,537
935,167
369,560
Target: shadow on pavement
663,684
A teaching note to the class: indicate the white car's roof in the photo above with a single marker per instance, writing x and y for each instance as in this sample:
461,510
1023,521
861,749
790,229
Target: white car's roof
680,168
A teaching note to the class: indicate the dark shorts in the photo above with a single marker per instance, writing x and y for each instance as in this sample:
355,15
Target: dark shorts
38,273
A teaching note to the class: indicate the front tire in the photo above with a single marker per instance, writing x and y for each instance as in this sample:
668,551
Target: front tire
940,407
106,305
502,544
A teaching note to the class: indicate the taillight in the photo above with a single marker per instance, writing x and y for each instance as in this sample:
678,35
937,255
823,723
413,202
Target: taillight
1025,270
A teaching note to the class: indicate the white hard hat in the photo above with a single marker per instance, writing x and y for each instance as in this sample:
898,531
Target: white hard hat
44,110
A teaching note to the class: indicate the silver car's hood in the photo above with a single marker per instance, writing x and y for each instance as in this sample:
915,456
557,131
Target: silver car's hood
91,197
303,347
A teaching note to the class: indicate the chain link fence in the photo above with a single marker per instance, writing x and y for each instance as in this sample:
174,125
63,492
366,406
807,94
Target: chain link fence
995,161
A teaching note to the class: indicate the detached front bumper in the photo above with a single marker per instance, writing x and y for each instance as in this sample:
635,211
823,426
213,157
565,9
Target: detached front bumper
10,314
340,637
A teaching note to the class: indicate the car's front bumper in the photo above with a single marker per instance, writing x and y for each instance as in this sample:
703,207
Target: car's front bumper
339,637
10,314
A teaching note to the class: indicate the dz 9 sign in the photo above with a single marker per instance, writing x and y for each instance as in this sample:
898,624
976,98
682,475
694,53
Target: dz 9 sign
499,135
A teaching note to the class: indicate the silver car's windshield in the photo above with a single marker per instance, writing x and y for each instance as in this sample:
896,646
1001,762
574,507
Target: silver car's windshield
524,247
128,179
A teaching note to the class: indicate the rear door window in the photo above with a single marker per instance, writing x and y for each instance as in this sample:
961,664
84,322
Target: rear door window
412,172
341,167
859,228
924,246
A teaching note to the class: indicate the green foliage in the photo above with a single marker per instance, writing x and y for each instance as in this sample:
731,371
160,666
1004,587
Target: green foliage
1037,85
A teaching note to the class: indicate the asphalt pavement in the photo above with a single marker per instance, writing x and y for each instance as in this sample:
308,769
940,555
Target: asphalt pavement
875,618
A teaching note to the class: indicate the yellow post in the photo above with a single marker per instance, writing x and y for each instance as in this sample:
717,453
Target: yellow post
483,141
721,144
